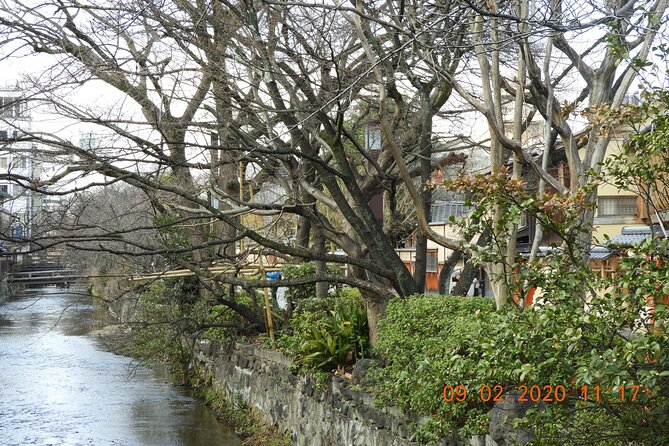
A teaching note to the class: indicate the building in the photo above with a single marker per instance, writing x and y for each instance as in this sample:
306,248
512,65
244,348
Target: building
441,213
621,215
18,167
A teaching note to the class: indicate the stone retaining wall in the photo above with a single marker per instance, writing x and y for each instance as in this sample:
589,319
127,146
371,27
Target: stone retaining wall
124,308
339,414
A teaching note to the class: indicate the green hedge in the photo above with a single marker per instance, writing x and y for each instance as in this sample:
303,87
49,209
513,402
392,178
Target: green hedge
426,342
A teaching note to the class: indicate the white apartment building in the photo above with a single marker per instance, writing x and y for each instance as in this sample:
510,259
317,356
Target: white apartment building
18,165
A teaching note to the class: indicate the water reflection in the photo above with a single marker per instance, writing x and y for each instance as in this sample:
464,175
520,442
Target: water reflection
58,388
5,322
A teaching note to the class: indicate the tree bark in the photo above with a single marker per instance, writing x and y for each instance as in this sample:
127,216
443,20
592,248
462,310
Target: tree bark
320,266
466,277
425,150
376,307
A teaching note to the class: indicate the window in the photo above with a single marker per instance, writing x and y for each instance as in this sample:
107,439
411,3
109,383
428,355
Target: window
10,107
432,261
3,162
19,163
4,188
523,221
610,206
17,232
3,135
372,138
89,142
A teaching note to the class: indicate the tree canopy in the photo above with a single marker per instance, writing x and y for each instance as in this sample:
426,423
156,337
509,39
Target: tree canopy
237,119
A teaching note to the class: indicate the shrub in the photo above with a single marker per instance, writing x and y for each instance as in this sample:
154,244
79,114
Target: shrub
307,269
158,334
225,324
427,342
328,333
432,341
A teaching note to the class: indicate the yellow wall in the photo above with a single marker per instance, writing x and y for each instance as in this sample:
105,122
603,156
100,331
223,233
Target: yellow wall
610,230
612,226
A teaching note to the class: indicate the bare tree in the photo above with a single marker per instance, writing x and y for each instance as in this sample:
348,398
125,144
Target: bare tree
227,103
232,99
621,37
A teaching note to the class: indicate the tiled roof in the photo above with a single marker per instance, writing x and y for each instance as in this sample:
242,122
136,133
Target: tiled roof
631,235
441,211
599,253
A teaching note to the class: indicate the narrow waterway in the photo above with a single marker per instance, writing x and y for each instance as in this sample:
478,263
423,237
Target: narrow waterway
58,387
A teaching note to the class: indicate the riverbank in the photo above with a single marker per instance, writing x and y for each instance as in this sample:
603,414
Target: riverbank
246,420
337,413
115,338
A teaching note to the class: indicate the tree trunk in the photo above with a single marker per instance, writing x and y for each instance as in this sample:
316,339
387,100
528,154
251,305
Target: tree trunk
468,272
254,318
466,277
303,232
228,175
447,271
420,265
376,307
320,266
374,304
425,147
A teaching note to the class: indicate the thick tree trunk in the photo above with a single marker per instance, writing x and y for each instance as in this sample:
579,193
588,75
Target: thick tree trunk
420,266
376,307
425,192
228,174
320,266
374,304
229,183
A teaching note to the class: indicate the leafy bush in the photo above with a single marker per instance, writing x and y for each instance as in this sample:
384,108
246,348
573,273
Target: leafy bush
610,342
432,341
158,334
427,342
307,269
328,333
170,309
226,323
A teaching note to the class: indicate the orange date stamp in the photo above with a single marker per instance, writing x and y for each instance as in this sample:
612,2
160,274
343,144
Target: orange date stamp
537,393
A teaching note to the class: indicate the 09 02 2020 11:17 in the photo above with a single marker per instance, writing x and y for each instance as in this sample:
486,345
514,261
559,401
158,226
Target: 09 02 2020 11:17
546,393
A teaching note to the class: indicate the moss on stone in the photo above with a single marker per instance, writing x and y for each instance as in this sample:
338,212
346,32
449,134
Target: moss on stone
246,420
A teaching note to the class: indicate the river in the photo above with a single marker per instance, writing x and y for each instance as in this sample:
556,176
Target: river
59,387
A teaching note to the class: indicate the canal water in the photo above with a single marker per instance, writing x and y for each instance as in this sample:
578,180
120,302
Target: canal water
59,387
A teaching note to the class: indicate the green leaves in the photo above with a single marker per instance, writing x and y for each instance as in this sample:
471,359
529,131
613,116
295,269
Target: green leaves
328,335
307,269
427,342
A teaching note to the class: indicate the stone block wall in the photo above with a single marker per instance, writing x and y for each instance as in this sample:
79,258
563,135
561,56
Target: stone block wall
339,414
